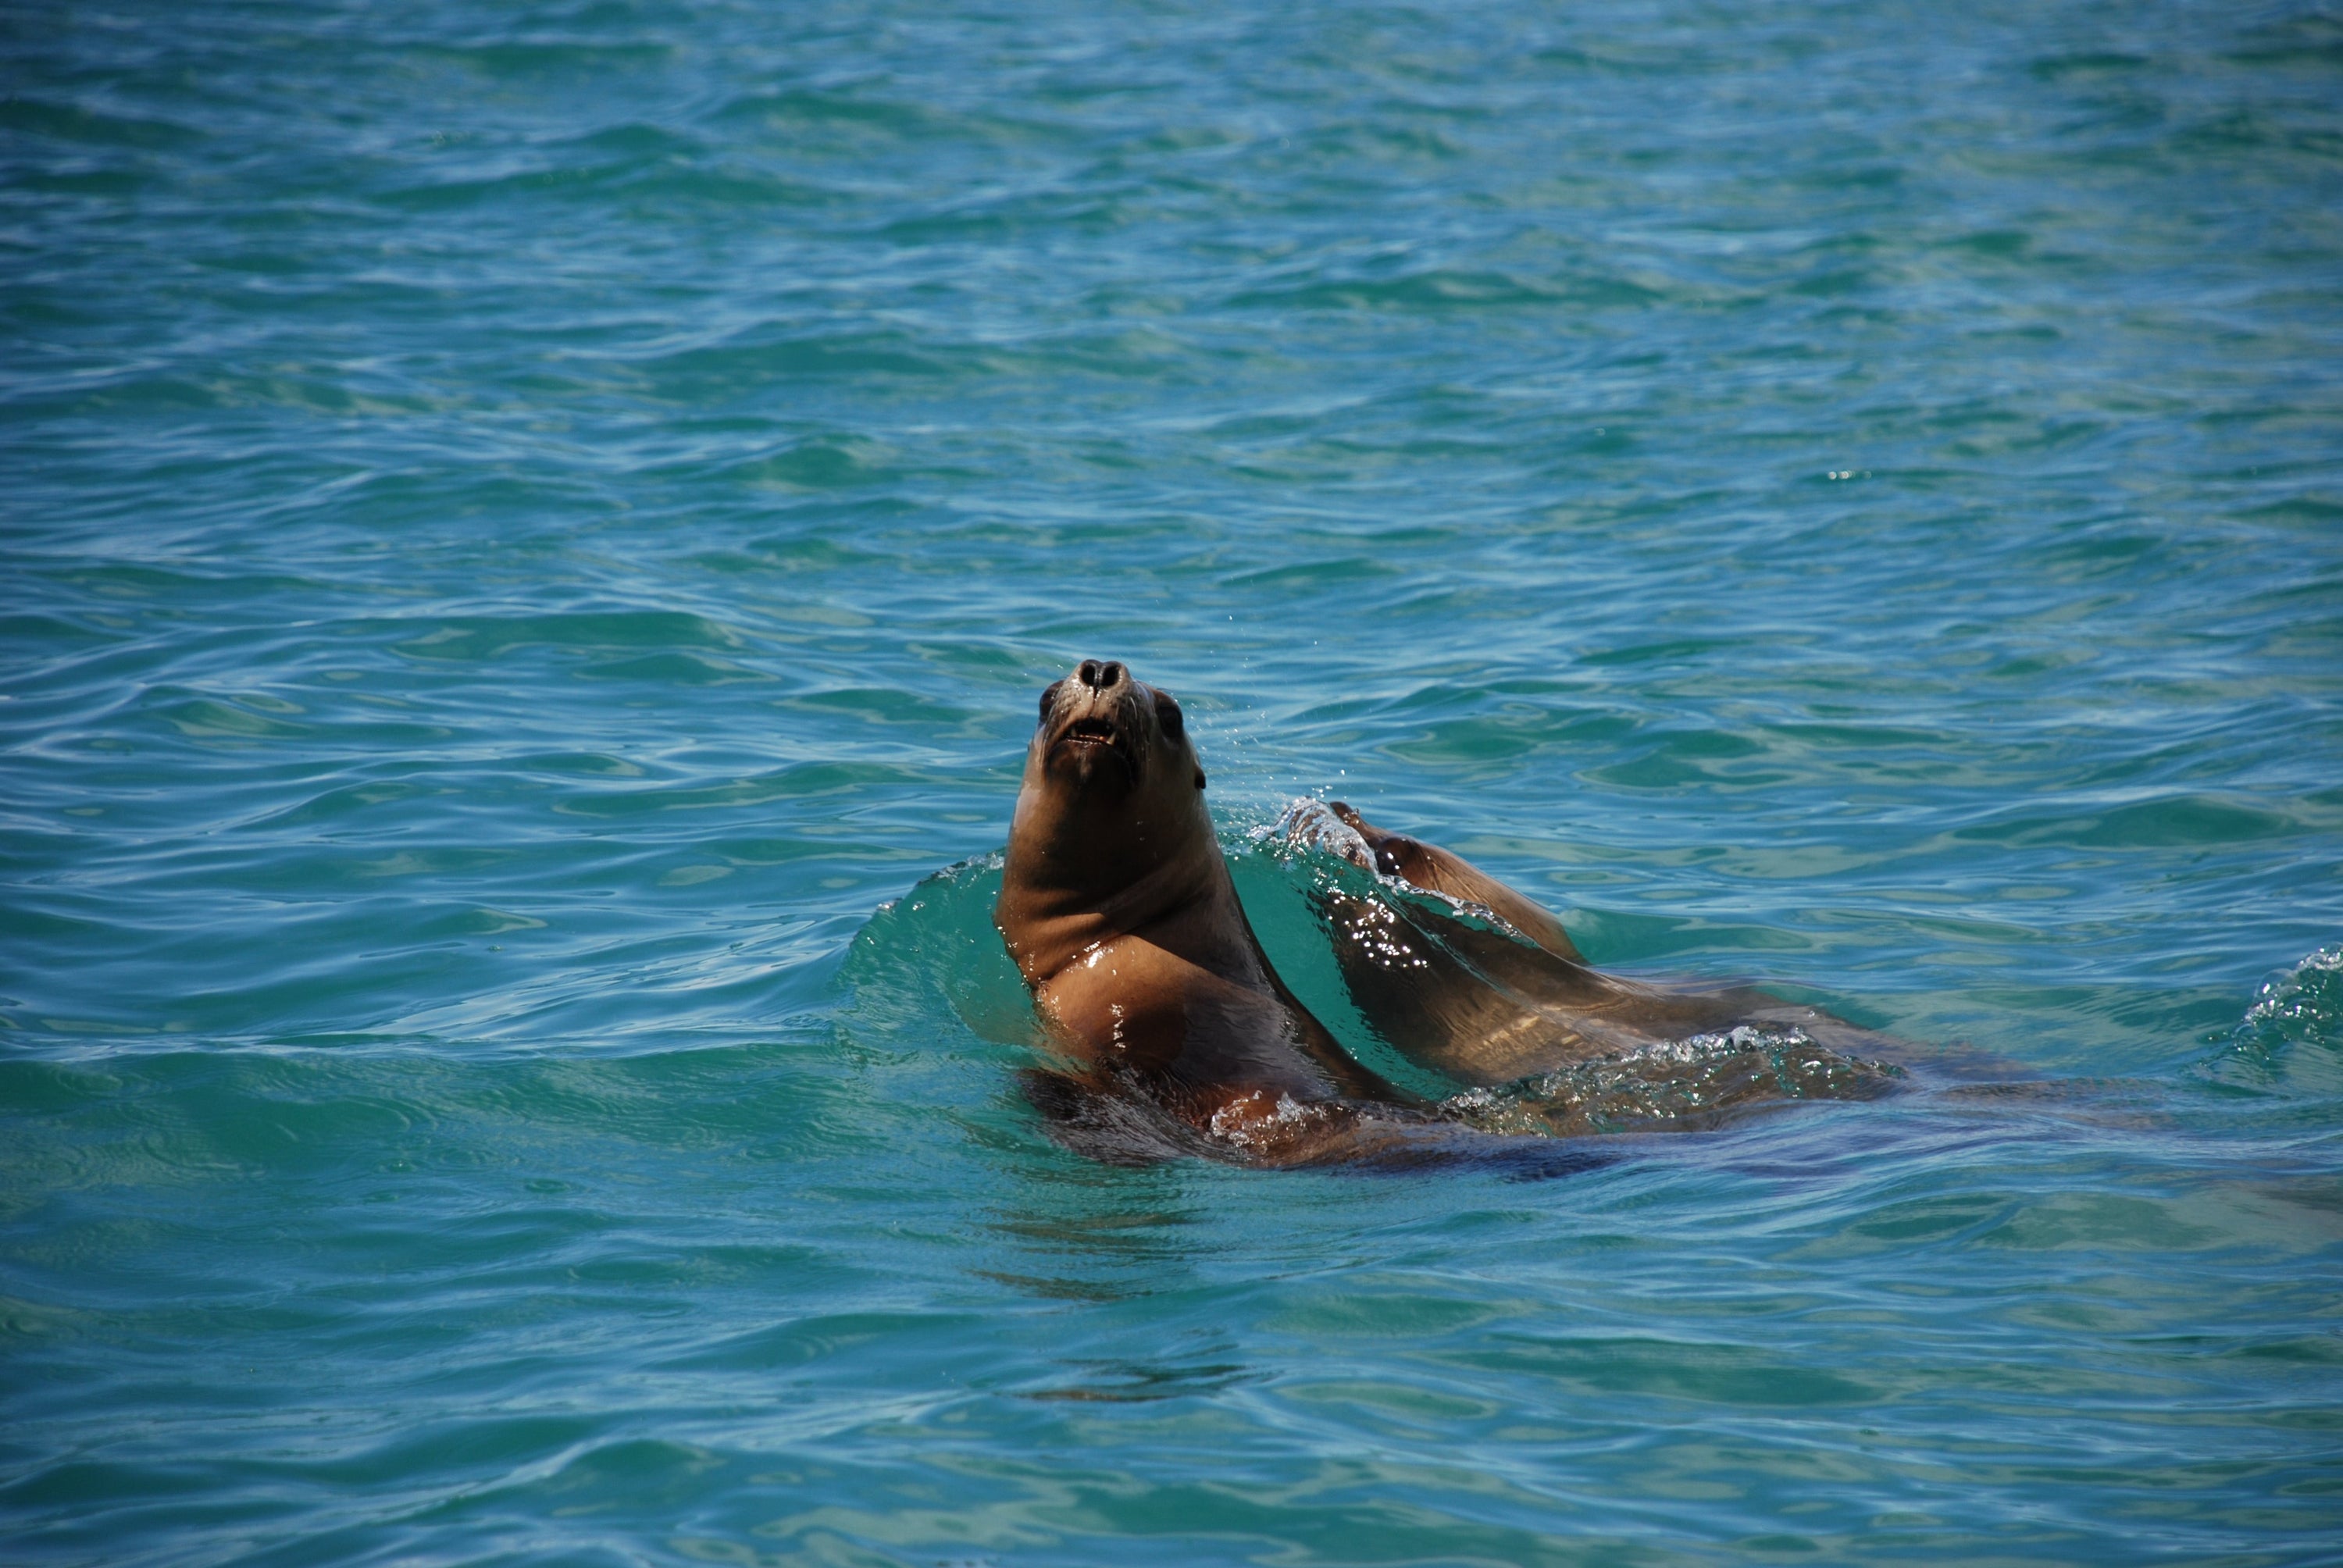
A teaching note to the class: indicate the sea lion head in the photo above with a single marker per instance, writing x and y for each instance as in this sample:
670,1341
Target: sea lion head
1102,734
1113,795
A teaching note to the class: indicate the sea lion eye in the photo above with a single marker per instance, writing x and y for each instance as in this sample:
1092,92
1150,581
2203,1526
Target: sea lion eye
1048,695
1167,714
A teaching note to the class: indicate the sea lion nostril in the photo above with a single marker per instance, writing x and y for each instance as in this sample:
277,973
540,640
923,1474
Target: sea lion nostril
1088,673
1110,674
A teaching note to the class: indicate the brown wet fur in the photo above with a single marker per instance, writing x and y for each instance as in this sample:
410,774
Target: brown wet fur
1117,904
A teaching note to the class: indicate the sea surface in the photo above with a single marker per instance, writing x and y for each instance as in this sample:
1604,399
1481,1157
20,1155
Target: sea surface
529,538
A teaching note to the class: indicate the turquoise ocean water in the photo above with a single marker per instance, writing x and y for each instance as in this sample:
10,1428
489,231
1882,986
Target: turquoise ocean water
531,536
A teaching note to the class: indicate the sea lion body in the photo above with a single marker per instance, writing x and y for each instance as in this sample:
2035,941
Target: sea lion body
1117,904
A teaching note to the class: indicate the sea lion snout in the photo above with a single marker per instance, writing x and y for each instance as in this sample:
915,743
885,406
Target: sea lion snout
1095,724
1100,724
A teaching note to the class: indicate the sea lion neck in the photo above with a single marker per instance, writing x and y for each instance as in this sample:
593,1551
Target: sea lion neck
1085,870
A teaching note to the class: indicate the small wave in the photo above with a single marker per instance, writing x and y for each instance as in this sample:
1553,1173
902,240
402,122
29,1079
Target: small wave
935,952
2302,1004
2290,1034
1308,827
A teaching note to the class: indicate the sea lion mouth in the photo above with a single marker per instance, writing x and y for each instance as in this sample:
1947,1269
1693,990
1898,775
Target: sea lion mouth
1092,737
1098,726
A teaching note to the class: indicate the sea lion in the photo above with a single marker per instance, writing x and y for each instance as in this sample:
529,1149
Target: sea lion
1117,905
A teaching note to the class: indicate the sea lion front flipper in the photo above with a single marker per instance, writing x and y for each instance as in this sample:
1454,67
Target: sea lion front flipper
1436,870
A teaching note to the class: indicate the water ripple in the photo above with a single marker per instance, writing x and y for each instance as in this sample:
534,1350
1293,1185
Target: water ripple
524,529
